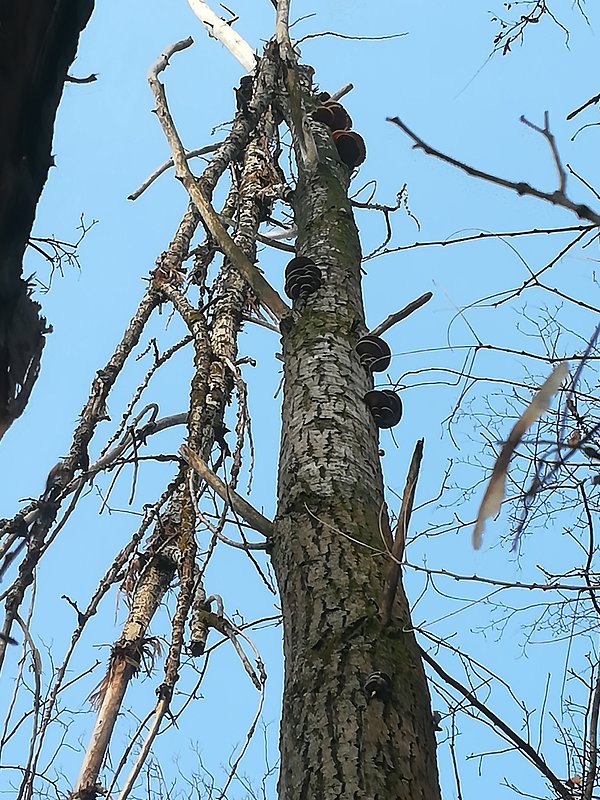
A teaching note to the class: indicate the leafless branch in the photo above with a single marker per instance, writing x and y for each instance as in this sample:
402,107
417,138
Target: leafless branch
549,136
557,198
397,552
527,750
253,517
398,316
199,151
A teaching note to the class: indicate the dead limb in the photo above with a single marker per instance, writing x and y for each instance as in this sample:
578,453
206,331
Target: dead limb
402,314
259,285
248,513
301,132
199,151
219,29
397,553
508,733
345,89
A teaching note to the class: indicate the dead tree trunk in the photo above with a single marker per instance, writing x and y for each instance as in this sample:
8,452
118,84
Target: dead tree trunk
338,738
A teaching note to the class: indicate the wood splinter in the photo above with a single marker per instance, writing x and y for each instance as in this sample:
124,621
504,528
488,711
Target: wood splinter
397,551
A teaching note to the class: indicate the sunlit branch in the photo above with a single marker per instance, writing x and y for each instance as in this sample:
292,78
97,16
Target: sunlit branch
219,29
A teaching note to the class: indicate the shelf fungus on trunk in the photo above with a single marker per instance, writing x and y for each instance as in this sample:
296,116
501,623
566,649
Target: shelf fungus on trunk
334,115
351,147
385,407
302,277
378,685
374,353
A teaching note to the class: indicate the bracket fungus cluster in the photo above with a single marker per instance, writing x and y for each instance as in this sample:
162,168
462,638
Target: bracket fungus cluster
350,144
374,353
378,685
302,277
385,405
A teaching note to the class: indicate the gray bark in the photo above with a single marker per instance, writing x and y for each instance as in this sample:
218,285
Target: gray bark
331,529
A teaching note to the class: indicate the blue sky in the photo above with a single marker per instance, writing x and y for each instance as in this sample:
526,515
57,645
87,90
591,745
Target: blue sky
439,80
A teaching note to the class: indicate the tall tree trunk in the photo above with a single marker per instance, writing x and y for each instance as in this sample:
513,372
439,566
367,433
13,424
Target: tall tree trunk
332,534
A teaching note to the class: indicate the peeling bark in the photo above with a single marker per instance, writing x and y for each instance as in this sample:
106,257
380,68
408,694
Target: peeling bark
330,532
124,664
173,546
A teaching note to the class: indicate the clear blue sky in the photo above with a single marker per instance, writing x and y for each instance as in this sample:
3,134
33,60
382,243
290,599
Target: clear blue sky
439,80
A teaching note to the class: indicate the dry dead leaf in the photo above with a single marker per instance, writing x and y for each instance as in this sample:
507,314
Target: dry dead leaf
494,494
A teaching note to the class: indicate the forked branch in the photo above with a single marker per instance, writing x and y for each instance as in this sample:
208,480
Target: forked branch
557,198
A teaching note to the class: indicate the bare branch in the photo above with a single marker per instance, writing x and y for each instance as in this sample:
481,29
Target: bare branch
549,136
397,316
253,517
199,151
218,28
259,285
521,188
302,133
507,731
592,101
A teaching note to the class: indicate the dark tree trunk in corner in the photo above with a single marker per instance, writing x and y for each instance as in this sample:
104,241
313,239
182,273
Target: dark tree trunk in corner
327,552
38,42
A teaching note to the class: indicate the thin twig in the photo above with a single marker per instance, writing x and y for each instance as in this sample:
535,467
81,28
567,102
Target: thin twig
199,151
521,188
527,750
549,136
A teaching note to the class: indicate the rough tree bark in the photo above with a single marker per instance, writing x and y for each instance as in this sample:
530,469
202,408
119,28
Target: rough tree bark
341,735
38,42
331,529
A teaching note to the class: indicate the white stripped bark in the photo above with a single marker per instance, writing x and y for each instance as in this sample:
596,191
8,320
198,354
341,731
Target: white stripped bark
219,29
